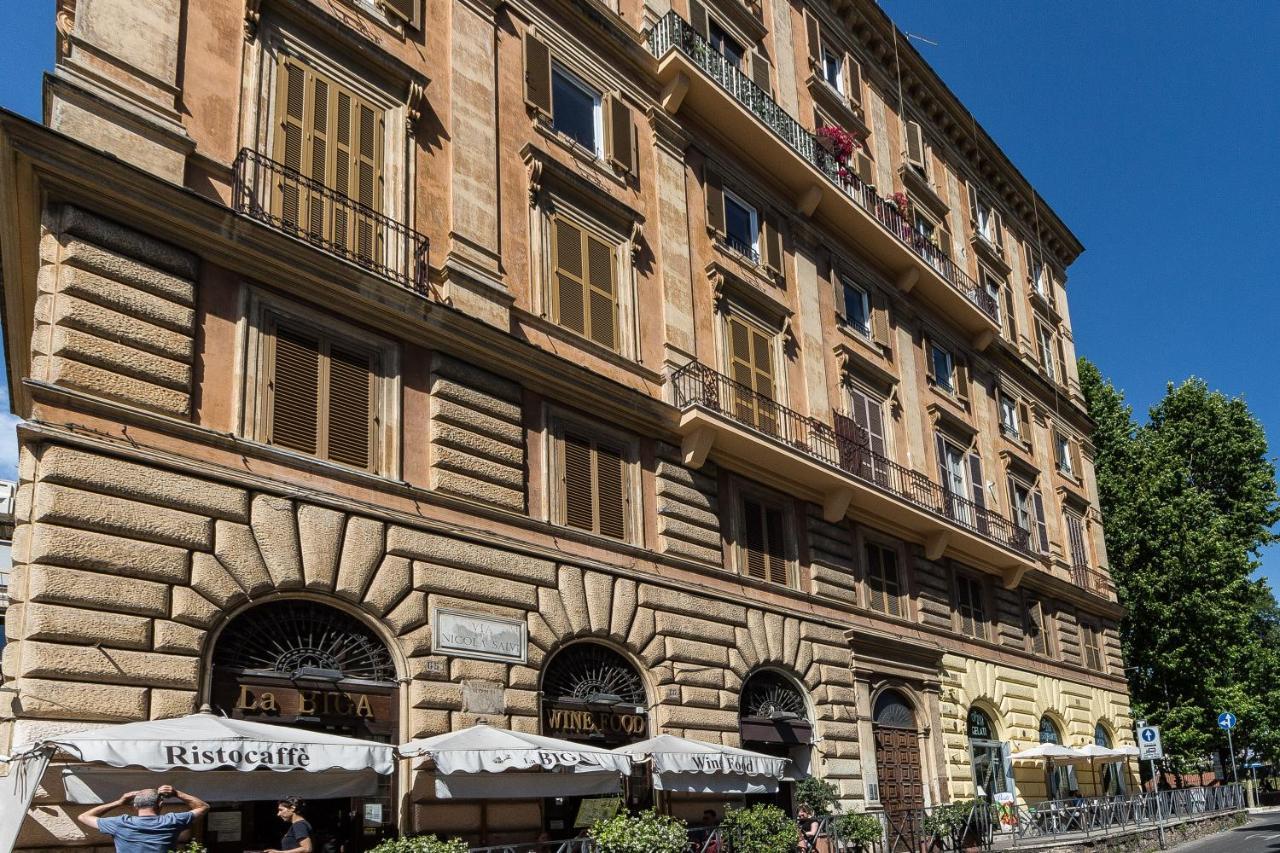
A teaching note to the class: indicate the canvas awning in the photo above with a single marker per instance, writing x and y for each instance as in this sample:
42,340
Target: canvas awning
1058,754
483,762
681,764
1103,754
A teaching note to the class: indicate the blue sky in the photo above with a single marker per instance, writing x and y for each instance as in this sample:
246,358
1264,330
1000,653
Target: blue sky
1151,128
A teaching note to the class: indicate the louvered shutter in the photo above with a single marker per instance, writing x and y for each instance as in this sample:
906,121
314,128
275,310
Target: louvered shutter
753,536
1035,627
368,178
603,314
579,494
318,155
537,74
1024,421
1075,538
612,502
290,136
853,79
570,285
715,200
915,146
762,361
879,319
620,139
875,579
940,445
960,367
931,372
998,225
295,391
1060,351
740,369
350,425
944,239
964,606
698,18
863,168
875,424
973,208
1010,321
1077,465
1029,262
772,244
775,539
760,75
977,486
1042,529
813,39
408,11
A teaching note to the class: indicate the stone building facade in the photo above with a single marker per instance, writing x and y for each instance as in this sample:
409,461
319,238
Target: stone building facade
576,322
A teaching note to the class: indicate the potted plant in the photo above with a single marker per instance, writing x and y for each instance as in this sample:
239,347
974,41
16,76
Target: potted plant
647,832
903,202
421,844
761,829
859,830
818,795
951,822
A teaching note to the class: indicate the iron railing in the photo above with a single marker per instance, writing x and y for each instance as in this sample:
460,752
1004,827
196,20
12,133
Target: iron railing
846,446
1092,580
674,33
741,247
302,207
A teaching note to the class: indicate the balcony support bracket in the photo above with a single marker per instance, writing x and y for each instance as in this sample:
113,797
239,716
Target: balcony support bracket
673,93
1012,576
695,447
935,544
983,339
908,279
836,504
807,202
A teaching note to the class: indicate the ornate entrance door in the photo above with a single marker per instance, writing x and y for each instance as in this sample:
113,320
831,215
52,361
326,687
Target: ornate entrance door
898,770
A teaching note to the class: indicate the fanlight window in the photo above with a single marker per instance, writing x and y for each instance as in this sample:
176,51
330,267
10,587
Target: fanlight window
1100,736
293,638
1049,731
769,695
893,711
979,725
588,672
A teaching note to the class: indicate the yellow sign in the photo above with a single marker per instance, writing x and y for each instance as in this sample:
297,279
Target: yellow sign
599,808
304,703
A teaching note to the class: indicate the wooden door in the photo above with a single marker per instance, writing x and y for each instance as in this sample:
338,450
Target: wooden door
901,784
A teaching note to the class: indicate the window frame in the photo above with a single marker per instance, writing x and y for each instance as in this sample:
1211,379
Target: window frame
724,35
949,384
1045,343
742,491
1062,453
1012,427
597,108
1091,646
753,217
847,285
560,422
1030,604
829,54
264,312
994,286
903,594
976,593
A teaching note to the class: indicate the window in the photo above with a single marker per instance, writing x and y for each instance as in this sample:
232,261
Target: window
742,226
593,485
762,549
1044,339
986,220
970,607
1027,507
584,291
331,138
1075,539
944,369
993,288
833,68
1062,453
750,357
1040,279
868,413
857,308
320,394
884,586
953,468
1089,646
576,110
1034,625
725,45
1009,416
1060,780
917,152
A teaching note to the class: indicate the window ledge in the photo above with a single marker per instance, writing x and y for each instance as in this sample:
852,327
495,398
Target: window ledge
855,358
922,189
948,418
1043,304
729,271
844,110
952,405
989,254
555,330
596,164
1015,439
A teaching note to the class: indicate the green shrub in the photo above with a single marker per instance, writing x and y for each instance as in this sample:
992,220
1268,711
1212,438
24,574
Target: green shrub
816,794
190,847
421,844
647,832
948,820
858,828
761,829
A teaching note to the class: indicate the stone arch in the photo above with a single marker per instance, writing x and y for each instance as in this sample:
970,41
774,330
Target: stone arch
1058,721
623,653
1108,731
788,678
1002,731
903,693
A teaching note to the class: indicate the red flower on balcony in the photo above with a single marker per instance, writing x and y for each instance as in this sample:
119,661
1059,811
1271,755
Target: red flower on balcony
842,144
902,202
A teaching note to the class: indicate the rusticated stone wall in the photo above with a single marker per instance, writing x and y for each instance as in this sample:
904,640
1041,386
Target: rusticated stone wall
124,570
688,508
115,313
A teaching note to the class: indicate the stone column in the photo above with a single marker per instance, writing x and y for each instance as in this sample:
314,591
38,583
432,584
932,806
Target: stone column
115,85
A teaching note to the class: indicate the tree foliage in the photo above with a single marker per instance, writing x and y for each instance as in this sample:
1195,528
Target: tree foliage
1189,499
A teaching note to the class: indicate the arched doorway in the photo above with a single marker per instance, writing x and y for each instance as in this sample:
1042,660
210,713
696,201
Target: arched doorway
1060,780
298,662
1111,775
592,694
898,772
773,718
989,758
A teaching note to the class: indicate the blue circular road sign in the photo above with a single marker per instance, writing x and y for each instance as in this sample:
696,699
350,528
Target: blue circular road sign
1227,720
1148,735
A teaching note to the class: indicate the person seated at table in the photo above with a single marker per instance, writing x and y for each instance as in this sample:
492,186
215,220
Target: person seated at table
1075,798
148,831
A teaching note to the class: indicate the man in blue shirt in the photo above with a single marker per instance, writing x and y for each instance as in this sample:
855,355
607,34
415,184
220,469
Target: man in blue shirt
148,831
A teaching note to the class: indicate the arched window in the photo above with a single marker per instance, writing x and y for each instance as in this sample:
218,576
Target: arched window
1060,781
1101,736
295,638
770,695
1049,731
979,725
992,771
590,672
893,711
1111,776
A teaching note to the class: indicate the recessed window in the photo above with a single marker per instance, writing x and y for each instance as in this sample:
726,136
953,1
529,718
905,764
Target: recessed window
584,282
1034,625
1089,643
1062,453
925,227
1027,508
944,368
986,221
1040,279
725,45
1075,539
763,541
857,308
1044,339
833,68
971,607
575,110
884,586
594,484
1009,416
992,286
742,226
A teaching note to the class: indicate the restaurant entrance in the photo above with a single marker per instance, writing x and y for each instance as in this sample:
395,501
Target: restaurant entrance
305,665
773,719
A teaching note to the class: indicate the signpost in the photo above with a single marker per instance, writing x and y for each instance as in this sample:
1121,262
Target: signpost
1228,720
1150,749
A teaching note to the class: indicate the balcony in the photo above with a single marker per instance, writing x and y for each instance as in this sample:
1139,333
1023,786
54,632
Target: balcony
698,79
1093,581
837,462
333,222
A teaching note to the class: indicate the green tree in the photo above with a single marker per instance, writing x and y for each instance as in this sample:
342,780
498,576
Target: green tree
1189,499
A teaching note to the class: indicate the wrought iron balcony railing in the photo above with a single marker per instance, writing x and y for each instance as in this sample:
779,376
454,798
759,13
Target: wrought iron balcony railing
674,33
845,446
289,201
1093,581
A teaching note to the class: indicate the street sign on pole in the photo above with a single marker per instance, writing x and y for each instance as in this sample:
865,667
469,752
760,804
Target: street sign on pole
1149,748
1227,720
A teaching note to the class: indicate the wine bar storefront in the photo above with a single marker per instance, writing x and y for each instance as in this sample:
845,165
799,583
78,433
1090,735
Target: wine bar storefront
305,664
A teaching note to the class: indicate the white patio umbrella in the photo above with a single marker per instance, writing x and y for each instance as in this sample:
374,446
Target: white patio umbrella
694,766
217,757
483,762
1054,752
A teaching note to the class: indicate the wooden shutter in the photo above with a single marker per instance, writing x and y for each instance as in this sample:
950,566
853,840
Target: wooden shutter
964,605
1042,529
579,497
772,244
318,154
1075,539
960,367
1061,353
570,272
760,72
537,74
978,488
1010,321
408,11
619,133
1029,262
610,477
973,207
915,146
290,135
350,424
813,38
863,168
940,444
715,199
698,19
853,80
879,319
998,225
1035,627
294,389
602,315
1024,421
775,537
930,371
764,552
944,239
1077,466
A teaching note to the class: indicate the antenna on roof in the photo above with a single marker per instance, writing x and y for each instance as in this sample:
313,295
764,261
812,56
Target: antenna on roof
920,38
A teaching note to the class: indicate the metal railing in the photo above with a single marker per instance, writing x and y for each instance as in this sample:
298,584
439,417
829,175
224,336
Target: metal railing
846,446
740,247
1092,580
674,33
289,201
